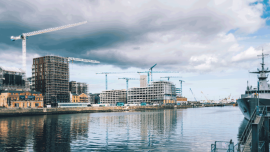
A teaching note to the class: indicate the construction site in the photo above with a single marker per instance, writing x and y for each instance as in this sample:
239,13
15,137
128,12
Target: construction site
12,79
156,92
50,76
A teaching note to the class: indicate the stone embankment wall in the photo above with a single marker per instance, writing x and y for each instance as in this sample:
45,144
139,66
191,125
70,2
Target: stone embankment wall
4,112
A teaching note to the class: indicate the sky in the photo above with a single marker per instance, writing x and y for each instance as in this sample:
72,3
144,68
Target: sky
212,43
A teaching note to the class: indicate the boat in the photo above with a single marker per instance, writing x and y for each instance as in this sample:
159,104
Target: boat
254,97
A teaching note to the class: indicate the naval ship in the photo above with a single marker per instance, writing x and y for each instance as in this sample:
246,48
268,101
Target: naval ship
259,96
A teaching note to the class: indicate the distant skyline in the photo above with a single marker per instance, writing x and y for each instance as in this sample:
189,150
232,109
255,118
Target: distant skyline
212,43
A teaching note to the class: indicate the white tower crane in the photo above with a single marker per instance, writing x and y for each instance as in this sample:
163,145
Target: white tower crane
25,35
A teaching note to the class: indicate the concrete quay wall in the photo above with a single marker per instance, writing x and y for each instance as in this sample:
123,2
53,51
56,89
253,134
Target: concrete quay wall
47,111
4,112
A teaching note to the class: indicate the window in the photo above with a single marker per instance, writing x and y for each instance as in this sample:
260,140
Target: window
16,104
36,104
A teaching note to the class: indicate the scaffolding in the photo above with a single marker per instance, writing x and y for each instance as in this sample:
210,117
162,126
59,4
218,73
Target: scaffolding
161,92
50,75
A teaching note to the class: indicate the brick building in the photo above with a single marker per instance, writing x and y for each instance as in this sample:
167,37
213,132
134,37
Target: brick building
22,99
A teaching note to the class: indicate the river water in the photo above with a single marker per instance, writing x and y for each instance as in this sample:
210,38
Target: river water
185,130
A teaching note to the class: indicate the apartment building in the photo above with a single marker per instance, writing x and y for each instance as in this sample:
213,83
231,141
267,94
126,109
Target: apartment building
157,92
112,96
50,76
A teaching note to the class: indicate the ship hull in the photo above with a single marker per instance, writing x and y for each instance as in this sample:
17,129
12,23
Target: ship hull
248,105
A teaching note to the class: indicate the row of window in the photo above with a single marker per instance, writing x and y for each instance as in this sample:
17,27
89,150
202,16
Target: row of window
24,105
262,91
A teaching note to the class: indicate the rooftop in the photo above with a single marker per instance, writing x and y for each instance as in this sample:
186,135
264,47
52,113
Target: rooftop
12,69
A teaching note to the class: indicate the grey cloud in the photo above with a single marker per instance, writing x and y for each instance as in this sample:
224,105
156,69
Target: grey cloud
115,31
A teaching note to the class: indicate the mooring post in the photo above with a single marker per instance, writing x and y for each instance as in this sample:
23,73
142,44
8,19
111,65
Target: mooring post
266,130
255,139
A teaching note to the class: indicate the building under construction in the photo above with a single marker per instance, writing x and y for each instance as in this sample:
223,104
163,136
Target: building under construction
113,96
50,76
161,92
78,87
12,79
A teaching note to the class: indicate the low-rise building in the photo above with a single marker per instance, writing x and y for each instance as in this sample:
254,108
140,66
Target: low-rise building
161,92
22,99
94,98
82,98
181,99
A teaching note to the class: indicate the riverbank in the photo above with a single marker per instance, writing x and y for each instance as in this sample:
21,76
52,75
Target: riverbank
4,112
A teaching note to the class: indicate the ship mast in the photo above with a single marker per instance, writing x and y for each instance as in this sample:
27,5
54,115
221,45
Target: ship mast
262,72
262,59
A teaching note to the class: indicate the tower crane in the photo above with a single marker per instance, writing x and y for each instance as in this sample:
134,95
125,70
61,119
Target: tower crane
127,79
151,71
24,36
106,73
193,94
171,77
148,72
205,97
181,89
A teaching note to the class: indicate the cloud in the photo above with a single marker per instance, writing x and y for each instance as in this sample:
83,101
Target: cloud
250,53
136,33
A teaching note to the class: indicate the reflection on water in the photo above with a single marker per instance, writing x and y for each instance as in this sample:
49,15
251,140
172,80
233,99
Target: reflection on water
159,130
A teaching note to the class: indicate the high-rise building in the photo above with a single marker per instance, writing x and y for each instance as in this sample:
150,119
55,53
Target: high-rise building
50,76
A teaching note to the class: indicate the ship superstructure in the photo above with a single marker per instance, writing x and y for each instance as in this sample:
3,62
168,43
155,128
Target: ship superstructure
256,96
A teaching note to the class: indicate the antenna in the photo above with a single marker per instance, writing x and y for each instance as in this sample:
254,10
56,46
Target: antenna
262,56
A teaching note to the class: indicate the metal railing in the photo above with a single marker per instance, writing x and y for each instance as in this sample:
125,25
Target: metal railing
246,132
262,146
258,111
222,146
